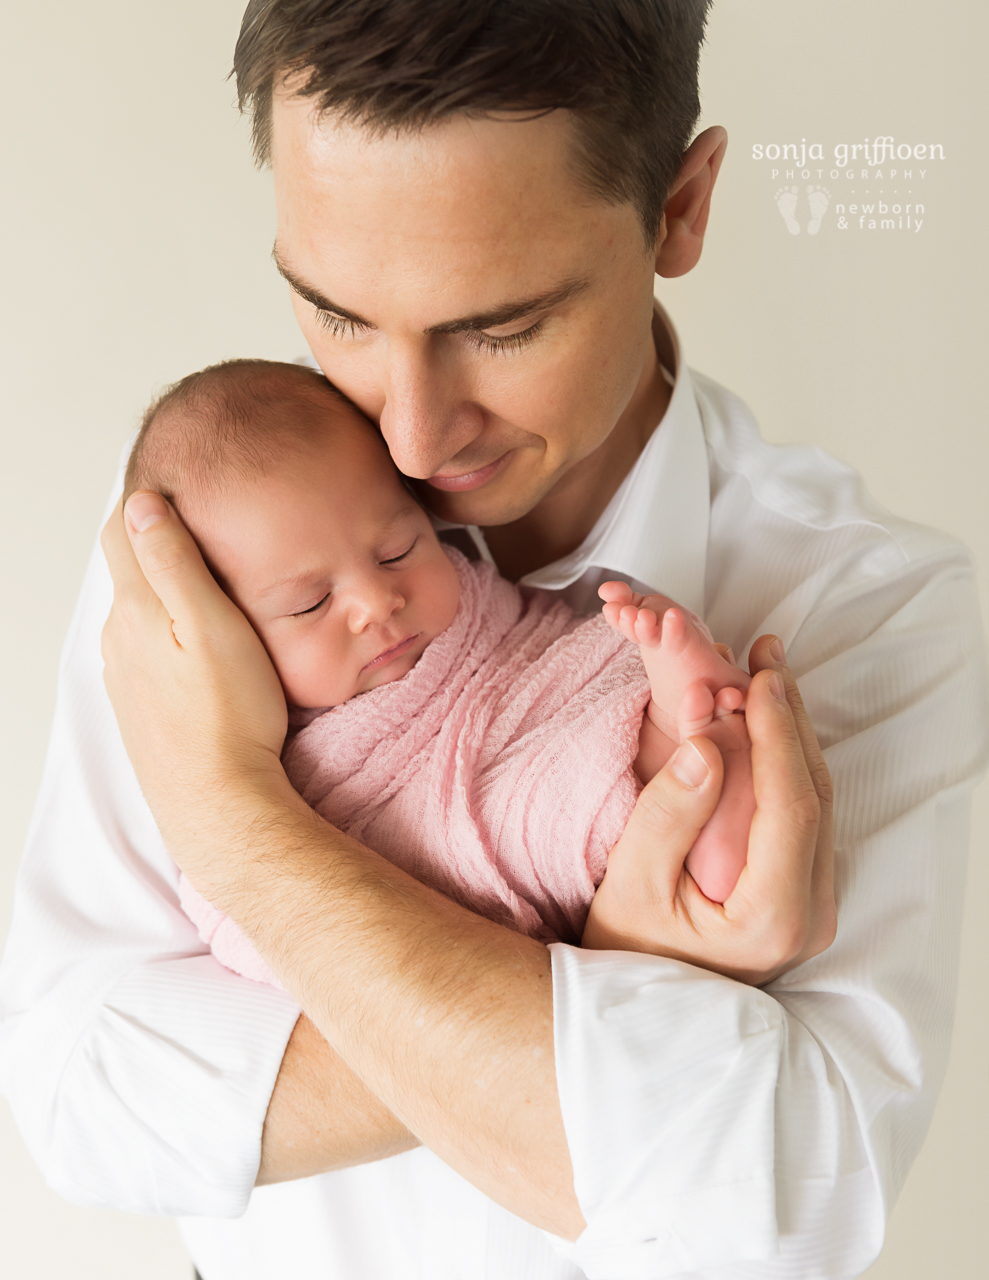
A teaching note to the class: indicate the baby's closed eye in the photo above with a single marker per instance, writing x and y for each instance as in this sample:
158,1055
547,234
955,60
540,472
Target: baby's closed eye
301,613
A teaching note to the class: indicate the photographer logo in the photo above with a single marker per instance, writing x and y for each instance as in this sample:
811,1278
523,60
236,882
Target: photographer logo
878,185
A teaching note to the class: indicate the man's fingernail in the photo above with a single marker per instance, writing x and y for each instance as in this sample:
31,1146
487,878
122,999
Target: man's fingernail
690,766
145,509
776,686
730,657
776,649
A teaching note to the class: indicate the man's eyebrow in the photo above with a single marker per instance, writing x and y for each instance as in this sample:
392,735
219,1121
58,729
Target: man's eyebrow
313,296
518,309
505,313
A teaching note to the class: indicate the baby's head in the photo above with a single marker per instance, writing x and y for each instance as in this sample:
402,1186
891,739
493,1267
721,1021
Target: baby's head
303,520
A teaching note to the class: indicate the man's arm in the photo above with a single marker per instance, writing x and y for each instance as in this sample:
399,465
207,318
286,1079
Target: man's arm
446,1017
139,1070
321,1116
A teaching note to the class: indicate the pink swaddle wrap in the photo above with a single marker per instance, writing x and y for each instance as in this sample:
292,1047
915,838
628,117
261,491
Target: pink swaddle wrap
499,770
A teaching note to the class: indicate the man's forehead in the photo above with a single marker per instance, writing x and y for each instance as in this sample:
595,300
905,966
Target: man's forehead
454,221
494,137
464,174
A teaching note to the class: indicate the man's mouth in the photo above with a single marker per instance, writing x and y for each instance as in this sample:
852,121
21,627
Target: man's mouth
395,651
469,479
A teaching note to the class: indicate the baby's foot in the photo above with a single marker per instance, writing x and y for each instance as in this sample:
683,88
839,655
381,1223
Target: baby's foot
695,691
719,852
700,708
674,651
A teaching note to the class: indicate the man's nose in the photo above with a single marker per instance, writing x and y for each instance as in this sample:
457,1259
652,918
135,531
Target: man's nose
373,602
428,416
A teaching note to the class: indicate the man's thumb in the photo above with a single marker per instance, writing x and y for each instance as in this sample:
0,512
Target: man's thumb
169,558
672,809
143,509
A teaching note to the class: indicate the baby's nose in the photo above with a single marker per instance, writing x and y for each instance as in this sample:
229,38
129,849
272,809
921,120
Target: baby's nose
376,604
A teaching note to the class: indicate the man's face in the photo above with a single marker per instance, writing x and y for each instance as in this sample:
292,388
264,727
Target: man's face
462,288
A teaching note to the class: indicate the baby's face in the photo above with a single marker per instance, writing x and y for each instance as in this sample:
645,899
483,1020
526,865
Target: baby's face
336,566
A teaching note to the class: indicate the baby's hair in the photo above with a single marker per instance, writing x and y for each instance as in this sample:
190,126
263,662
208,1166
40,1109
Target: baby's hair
236,420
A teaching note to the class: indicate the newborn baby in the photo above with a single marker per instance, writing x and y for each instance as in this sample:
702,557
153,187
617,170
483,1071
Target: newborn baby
479,736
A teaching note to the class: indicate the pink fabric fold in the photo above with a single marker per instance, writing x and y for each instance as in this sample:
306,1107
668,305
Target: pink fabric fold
499,770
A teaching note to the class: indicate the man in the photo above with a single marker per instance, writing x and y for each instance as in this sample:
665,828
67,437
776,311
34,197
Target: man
472,204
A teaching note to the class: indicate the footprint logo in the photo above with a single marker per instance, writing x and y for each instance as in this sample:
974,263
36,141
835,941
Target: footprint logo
786,202
818,198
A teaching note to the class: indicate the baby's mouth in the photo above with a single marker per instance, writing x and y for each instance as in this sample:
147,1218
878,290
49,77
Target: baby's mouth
395,651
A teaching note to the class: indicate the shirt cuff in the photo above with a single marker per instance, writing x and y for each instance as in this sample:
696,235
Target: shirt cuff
667,1079
162,1105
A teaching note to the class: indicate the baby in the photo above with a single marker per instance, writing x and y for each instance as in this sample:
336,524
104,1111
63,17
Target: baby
482,737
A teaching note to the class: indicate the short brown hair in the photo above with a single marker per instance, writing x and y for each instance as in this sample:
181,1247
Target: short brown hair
627,69
237,420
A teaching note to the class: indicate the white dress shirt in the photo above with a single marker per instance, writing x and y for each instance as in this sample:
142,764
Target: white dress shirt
716,1130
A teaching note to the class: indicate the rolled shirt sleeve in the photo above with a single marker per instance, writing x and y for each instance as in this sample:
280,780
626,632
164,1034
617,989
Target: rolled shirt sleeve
724,1130
659,1063
138,1069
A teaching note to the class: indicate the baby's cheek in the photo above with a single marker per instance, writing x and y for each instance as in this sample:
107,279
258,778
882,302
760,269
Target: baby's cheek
312,672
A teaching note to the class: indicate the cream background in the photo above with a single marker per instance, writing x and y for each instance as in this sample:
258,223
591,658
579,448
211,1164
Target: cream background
136,235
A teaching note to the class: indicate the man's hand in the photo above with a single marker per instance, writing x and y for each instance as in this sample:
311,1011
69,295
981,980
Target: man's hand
782,910
199,705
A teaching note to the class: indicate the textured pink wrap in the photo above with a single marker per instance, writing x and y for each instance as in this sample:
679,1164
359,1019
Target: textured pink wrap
499,770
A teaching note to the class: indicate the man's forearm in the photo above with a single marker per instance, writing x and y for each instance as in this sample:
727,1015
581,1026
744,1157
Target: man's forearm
321,1117
444,1016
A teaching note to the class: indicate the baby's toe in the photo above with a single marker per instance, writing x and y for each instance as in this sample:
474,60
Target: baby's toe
728,701
619,593
674,631
628,617
615,617
647,629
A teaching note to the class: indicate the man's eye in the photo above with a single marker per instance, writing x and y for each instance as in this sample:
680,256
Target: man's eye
502,346
396,559
302,612
338,326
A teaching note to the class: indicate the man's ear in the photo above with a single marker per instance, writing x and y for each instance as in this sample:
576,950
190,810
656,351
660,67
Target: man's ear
681,236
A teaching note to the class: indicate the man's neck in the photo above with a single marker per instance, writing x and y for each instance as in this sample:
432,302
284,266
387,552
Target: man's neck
560,521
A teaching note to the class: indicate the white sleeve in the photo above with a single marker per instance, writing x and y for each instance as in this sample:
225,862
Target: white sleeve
719,1130
138,1070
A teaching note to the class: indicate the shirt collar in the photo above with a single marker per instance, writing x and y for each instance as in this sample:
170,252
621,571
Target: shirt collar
655,528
